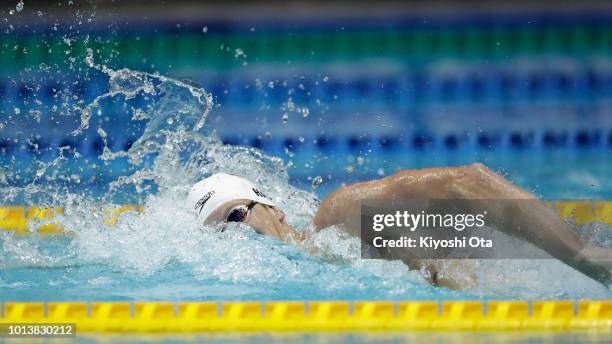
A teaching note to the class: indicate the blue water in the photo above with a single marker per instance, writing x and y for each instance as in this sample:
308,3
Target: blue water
548,173
164,254
151,256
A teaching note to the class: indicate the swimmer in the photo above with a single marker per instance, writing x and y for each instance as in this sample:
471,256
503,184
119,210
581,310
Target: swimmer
223,198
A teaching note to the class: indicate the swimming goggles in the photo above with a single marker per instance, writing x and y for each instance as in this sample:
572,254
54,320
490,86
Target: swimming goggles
239,213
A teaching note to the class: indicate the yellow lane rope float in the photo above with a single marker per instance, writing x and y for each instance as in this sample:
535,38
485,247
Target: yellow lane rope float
200,317
23,220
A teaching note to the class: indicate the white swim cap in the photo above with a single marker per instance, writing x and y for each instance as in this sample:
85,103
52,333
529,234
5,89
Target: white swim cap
208,194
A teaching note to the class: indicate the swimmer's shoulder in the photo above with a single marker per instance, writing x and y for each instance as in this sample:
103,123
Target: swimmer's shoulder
342,207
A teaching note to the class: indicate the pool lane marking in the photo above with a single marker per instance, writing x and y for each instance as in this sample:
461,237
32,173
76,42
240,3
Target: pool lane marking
20,219
163,317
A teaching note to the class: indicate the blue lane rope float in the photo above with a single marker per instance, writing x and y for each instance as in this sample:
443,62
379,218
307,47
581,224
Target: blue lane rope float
467,85
409,97
351,144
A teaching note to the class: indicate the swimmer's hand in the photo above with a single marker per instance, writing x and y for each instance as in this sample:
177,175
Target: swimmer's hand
457,274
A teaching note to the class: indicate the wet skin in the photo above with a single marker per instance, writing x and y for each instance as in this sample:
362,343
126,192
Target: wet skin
263,218
539,225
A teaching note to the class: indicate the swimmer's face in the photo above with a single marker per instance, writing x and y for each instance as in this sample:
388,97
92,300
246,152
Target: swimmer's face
265,219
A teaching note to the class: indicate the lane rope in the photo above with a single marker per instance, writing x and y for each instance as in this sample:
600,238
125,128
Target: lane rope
24,220
365,316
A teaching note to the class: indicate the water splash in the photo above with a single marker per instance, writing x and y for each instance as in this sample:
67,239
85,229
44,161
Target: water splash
19,6
173,151
130,83
164,253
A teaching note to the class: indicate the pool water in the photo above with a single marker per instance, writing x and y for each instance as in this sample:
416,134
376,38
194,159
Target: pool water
164,254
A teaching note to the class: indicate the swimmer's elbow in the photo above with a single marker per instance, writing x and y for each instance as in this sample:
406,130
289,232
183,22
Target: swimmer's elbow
322,217
334,208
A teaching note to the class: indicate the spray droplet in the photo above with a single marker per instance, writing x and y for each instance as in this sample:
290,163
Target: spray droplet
205,29
316,181
151,145
19,6
102,133
169,120
289,153
139,115
285,117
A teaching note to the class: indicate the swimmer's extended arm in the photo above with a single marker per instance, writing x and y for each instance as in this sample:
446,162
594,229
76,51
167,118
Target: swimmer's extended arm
539,225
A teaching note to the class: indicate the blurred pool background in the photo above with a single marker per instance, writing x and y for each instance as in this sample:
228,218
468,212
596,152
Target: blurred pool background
341,90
